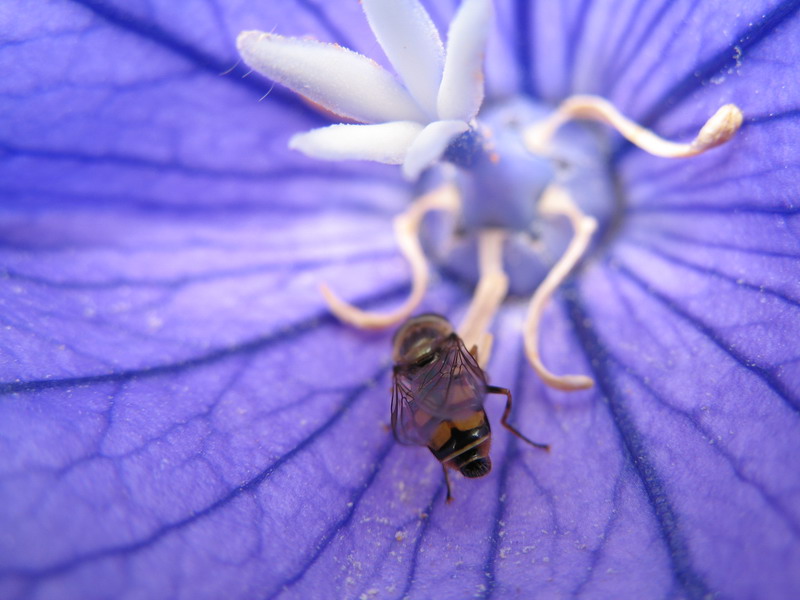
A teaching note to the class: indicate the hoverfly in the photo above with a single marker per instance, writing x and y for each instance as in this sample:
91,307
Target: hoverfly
437,397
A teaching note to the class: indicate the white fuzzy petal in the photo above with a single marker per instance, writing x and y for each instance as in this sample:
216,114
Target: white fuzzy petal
429,146
461,92
340,80
411,42
385,143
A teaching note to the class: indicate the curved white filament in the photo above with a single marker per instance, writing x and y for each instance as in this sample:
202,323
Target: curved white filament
556,201
406,228
722,125
488,296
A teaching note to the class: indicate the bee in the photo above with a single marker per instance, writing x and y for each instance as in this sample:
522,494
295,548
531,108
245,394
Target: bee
437,397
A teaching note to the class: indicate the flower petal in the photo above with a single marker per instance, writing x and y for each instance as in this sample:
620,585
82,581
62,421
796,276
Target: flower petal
698,370
180,382
412,44
385,142
340,80
429,146
461,92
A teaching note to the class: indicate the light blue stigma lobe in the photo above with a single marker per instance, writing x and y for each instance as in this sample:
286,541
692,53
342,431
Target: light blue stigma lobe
501,181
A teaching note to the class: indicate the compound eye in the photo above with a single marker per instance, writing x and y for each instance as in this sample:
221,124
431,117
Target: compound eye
426,359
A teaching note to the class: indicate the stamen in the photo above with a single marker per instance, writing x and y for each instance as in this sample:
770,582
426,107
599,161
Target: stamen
556,201
489,294
406,231
717,130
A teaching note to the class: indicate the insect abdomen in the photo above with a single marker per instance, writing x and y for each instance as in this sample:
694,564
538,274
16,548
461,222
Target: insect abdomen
464,445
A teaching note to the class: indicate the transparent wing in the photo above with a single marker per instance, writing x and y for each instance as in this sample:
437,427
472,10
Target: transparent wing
410,425
448,387
453,385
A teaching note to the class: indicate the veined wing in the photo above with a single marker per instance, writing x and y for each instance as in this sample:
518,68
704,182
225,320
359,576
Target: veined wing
453,385
449,386
411,425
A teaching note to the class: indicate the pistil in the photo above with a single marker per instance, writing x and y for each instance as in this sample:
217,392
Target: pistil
510,177
555,201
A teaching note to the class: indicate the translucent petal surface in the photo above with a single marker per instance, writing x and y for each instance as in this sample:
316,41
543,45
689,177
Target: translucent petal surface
386,142
180,416
346,83
461,93
412,44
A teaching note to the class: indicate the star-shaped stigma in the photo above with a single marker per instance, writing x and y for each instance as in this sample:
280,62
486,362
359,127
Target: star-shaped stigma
409,122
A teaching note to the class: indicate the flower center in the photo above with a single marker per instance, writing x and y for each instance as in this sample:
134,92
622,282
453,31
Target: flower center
522,191
511,182
500,181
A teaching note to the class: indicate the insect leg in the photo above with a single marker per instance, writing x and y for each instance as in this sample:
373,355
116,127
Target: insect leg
493,389
449,498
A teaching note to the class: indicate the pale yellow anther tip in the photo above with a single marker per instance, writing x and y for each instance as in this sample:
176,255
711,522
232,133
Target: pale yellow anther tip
721,127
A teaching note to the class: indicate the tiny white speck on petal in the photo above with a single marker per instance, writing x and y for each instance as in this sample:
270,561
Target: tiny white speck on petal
385,142
461,92
412,44
429,146
340,80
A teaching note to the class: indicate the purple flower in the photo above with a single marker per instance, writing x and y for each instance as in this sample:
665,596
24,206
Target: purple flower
181,415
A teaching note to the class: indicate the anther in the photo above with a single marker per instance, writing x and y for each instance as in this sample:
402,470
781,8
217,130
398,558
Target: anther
489,294
717,130
406,231
556,201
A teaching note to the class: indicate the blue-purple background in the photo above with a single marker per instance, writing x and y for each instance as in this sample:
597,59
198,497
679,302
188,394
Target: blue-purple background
180,417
